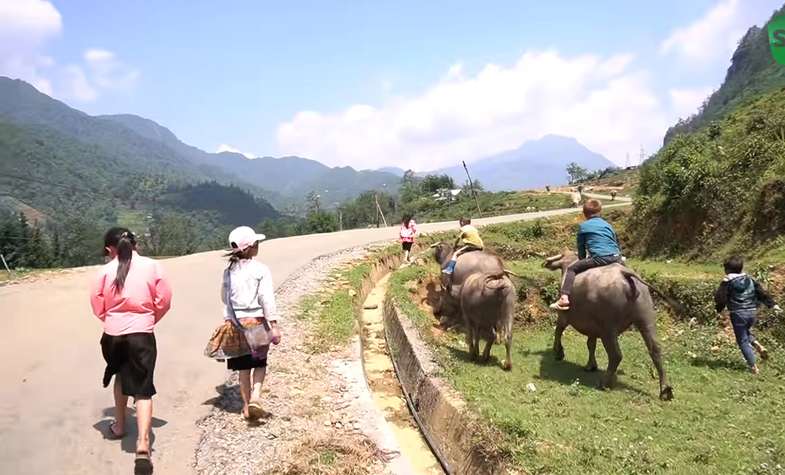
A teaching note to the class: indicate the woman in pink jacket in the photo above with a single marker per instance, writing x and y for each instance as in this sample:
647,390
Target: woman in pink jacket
407,234
130,295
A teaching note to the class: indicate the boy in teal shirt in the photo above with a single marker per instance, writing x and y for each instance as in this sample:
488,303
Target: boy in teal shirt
597,246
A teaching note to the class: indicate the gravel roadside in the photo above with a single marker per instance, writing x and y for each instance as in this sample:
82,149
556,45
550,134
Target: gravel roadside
313,400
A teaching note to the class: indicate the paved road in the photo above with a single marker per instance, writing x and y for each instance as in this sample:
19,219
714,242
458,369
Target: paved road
51,400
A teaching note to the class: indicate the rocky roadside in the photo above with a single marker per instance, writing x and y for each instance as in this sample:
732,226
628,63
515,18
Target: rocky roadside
319,422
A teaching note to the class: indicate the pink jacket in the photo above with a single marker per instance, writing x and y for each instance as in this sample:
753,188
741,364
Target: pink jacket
144,300
407,234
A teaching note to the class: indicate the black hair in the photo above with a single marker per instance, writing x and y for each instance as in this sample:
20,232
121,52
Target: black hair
465,220
236,254
733,265
407,218
124,241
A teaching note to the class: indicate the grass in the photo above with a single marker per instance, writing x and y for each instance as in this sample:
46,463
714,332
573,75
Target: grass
723,420
332,312
492,204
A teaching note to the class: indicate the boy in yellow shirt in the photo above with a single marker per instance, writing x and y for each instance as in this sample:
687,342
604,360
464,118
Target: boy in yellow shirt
469,240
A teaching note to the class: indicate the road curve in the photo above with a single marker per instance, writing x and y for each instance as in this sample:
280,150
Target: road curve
51,400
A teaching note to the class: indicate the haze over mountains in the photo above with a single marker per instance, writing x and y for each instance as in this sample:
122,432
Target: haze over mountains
534,164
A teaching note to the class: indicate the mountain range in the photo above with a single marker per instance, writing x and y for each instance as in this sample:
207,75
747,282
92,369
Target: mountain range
147,147
41,134
534,164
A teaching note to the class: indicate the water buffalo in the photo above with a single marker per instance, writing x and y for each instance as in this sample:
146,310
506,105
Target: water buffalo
468,264
605,302
482,294
488,307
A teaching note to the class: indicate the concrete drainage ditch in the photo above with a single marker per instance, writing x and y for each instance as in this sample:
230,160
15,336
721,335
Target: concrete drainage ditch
435,433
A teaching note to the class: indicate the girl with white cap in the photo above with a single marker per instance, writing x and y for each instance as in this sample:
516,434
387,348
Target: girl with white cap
247,294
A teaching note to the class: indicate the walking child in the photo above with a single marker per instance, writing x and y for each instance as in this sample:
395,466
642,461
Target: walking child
407,234
597,246
130,295
742,294
248,298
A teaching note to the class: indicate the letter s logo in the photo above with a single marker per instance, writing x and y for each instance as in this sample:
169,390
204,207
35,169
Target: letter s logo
777,38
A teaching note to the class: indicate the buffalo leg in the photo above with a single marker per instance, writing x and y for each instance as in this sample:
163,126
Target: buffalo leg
591,344
558,349
650,339
508,345
470,340
611,344
486,352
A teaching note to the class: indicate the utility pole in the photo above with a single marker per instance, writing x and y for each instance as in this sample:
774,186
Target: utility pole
640,162
379,209
627,161
340,220
5,264
471,187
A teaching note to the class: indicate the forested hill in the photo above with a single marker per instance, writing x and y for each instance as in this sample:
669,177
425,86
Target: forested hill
284,180
752,73
718,190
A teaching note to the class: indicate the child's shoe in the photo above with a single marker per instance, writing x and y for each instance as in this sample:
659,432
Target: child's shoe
449,268
762,351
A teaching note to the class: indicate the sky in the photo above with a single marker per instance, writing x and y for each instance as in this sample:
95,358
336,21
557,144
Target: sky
400,83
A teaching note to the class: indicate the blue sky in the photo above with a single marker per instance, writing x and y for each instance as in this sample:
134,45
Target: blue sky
370,84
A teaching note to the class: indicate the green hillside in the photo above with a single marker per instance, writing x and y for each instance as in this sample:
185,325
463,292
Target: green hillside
752,73
719,189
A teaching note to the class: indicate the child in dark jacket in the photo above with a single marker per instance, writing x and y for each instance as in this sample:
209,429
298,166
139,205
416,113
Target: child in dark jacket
742,294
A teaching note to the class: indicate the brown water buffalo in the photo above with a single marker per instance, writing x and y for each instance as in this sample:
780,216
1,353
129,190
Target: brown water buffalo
485,298
488,308
605,302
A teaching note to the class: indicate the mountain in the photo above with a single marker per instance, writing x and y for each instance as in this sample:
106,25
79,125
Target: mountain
534,164
148,147
752,73
284,179
394,170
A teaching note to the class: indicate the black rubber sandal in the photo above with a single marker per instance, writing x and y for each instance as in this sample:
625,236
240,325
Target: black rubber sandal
142,464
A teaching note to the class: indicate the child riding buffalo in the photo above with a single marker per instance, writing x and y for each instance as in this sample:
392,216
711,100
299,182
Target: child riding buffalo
597,246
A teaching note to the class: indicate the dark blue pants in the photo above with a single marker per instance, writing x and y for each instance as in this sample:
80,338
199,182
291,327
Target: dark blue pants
583,265
742,321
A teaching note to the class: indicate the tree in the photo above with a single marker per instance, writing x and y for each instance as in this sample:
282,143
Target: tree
576,172
433,183
312,202
321,222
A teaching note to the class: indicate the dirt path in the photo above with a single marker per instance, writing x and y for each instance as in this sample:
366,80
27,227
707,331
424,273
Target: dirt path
52,406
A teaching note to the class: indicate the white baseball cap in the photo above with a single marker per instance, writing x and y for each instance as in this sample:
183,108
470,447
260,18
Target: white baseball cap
244,237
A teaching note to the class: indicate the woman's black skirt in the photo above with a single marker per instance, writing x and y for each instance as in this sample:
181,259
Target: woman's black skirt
132,358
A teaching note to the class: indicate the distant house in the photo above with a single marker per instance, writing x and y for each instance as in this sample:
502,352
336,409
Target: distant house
447,194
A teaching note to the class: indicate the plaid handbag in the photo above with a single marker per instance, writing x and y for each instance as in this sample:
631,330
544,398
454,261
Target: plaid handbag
233,339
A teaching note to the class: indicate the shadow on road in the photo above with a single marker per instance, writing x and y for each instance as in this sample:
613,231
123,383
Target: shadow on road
128,443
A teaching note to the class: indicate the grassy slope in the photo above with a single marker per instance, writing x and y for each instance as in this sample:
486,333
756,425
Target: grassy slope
492,204
567,426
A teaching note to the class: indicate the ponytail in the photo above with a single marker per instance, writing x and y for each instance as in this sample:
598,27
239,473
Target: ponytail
124,241
237,255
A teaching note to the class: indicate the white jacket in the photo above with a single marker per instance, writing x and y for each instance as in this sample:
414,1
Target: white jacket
252,294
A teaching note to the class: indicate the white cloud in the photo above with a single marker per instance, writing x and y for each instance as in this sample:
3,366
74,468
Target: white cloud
685,102
107,71
228,148
26,26
600,101
714,36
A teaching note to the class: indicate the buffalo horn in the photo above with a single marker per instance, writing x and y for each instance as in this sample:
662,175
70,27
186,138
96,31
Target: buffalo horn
553,258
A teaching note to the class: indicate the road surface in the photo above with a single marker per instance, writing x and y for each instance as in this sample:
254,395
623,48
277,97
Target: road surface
52,405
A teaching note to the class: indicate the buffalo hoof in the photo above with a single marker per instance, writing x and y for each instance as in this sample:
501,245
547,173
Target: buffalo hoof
590,368
666,394
507,365
558,353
